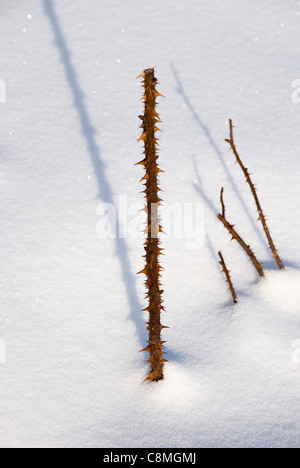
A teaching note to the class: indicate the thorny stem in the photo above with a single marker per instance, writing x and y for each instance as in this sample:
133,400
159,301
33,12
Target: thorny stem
237,237
151,246
228,278
261,215
222,202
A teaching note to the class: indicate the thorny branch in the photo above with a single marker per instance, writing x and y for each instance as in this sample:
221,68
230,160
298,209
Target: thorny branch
152,250
228,278
261,216
237,237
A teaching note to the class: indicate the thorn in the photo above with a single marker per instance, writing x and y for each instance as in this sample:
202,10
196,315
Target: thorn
144,271
151,376
146,177
156,94
142,137
147,349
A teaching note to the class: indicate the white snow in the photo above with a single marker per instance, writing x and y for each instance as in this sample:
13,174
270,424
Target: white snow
70,320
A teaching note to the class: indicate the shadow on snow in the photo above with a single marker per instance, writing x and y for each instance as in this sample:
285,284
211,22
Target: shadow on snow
105,191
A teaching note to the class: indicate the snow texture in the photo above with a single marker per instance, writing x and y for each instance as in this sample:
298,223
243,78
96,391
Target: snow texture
70,320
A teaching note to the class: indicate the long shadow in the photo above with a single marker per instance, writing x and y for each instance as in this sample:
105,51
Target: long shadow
105,191
199,188
218,152
213,252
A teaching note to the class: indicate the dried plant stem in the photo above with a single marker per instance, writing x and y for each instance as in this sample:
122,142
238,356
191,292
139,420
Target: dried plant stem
228,278
222,202
152,267
261,215
237,237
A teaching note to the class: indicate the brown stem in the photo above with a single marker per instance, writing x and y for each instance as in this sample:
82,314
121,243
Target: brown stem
261,215
222,202
237,237
228,278
151,246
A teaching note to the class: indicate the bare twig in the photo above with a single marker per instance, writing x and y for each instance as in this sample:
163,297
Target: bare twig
261,216
237,237
222,202
228,278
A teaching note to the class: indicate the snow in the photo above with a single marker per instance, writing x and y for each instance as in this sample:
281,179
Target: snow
70,320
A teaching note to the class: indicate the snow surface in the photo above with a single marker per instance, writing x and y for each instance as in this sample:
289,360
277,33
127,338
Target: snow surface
70,319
